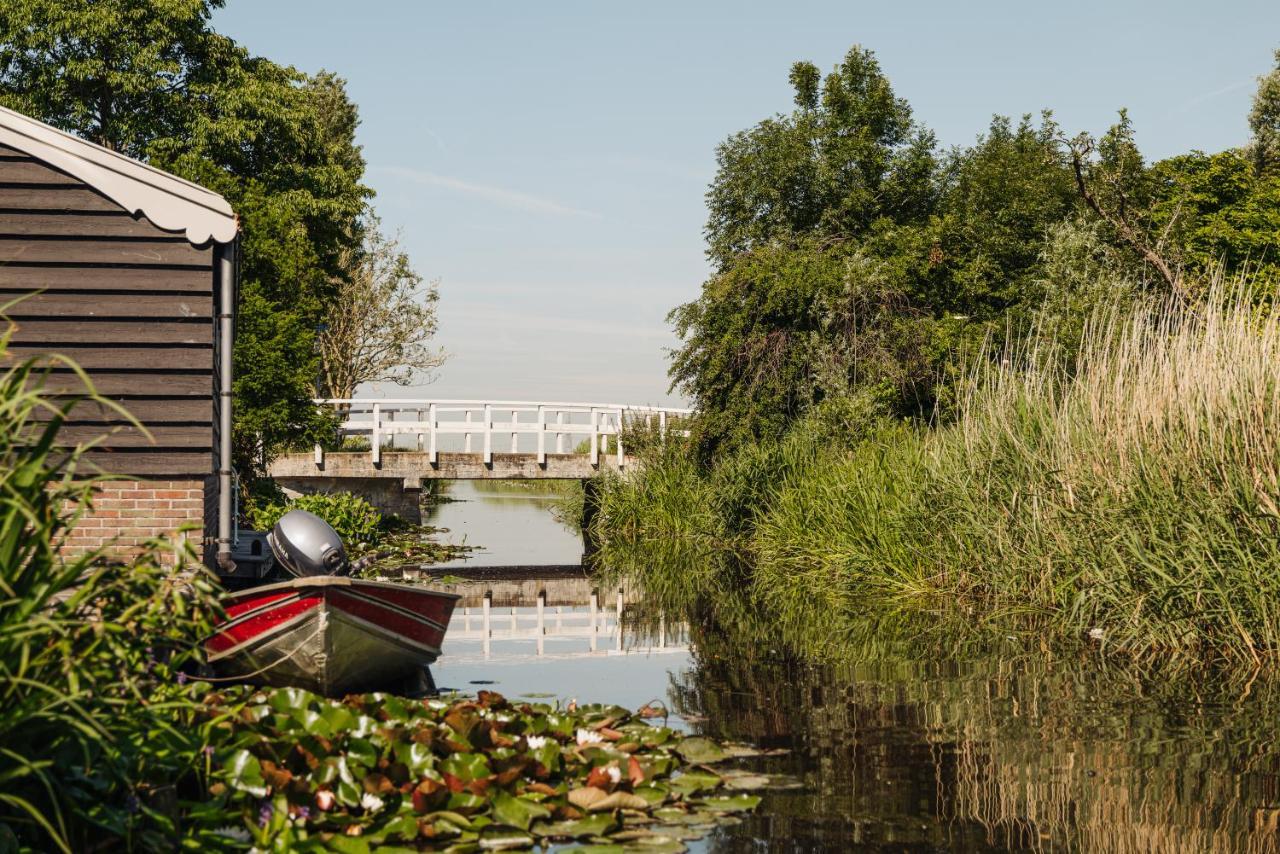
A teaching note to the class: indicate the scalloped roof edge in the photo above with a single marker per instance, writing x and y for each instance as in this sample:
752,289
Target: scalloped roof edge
167,201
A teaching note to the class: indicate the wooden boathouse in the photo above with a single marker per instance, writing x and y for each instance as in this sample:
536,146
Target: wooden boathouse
130,272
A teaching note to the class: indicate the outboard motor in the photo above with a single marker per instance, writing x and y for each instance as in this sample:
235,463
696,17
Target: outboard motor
304,544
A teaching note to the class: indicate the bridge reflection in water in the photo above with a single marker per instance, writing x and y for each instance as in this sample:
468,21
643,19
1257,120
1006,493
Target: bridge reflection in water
562,618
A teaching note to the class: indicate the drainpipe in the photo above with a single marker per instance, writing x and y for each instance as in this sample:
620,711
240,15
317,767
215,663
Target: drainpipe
227,269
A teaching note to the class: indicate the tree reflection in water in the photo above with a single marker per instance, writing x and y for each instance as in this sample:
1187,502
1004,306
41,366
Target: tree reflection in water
920,745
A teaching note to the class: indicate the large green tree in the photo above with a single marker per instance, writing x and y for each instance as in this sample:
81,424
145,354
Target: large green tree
851,258
152,79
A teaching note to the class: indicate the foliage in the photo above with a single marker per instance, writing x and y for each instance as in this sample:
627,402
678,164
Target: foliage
356,521
380,322
94,732
1134,498
298,772
1264,121
852,259
153,81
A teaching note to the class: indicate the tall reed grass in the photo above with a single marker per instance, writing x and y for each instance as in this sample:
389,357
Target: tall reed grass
1134,502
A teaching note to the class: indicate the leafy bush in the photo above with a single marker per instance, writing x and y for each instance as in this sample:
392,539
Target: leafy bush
94,730
357,521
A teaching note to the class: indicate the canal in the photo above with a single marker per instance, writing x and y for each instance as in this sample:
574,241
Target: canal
895,747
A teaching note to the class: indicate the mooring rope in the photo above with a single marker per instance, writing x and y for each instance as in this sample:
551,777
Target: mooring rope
281,660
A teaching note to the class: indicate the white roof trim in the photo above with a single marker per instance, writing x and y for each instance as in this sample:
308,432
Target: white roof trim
167,201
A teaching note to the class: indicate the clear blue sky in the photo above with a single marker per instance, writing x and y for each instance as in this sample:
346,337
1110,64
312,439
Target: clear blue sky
547,161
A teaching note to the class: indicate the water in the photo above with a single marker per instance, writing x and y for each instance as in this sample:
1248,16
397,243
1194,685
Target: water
511,522
899,748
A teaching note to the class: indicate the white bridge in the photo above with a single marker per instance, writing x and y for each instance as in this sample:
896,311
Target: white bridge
414,439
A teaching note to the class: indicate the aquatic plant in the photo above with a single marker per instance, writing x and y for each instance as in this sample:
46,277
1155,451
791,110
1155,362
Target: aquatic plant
294,771
357,522
1131,503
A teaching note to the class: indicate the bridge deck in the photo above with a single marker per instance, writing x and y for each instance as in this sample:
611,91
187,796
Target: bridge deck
413,467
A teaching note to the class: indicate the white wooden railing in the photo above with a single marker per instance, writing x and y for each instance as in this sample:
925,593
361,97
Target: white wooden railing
429,421
600,626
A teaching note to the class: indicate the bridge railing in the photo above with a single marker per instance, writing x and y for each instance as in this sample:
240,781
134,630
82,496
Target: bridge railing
491,422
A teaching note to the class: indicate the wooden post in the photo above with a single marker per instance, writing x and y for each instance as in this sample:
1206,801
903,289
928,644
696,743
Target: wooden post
319,455
542,435
488,434
662,631
595,437
618,439
420,444
431,428
618,621
515,434
560,436
466,439
542,626
662,424
375,437
595,606
487,628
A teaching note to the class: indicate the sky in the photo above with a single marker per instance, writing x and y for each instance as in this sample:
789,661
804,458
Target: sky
547,162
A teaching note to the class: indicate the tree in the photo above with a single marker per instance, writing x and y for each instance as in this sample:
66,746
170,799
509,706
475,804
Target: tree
999,199
1264,121
848,157
1114,183
380,322
151,79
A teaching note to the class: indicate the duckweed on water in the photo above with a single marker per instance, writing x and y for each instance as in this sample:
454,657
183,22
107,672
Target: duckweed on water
294,771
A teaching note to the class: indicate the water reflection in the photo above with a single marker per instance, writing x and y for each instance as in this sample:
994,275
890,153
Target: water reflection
564,615
512,523
907,739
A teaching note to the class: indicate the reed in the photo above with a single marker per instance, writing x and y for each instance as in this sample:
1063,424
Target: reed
1133,501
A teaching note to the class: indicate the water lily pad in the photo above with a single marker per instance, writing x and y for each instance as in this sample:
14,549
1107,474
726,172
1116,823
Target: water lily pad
599,824
517,812
731,803
745,781
690,782
244,772
699,750
499,838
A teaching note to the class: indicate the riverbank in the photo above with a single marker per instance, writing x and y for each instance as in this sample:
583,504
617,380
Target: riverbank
1130,504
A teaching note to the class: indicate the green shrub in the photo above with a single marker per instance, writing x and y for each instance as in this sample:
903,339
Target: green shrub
94,730
357,522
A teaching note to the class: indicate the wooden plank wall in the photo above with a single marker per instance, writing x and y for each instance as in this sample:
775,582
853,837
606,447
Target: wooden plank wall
131,304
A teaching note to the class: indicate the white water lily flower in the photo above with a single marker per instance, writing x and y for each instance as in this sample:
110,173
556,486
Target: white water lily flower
586,736
371,802
324,800
535,742
614,772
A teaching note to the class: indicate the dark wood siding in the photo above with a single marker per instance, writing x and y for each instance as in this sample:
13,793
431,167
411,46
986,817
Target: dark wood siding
131,304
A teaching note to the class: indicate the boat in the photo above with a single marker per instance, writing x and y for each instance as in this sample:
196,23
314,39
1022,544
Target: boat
333,635
323,630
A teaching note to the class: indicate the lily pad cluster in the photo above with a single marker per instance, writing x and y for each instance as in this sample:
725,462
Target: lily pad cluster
298,772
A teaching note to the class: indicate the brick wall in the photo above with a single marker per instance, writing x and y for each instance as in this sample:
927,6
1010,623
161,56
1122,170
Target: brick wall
133,511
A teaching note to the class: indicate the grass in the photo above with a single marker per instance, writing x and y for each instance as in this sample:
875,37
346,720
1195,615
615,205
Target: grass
1134,502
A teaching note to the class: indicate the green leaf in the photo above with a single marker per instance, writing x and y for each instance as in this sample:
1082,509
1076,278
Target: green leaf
466,766
244,773
599,824
498,838
287,700
699,750
689,782
731,803
517,812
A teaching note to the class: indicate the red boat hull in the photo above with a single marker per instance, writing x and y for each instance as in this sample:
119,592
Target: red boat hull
329,634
